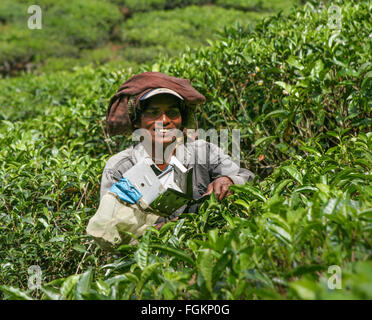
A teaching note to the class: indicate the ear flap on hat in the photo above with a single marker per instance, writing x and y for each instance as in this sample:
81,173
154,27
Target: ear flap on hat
117,117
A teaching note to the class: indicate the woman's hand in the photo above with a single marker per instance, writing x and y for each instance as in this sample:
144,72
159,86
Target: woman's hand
220,186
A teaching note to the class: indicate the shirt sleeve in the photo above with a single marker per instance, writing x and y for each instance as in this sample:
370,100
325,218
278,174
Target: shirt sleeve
222,165
109,177
114,169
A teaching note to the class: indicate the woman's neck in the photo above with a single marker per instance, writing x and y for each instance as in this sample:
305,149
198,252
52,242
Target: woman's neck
162,162
162,166
160,157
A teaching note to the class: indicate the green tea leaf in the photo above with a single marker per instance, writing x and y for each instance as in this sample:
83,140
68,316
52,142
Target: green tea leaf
178,254
84,284
69,285
264,139
15,293
146,274
142,253
293,172
205,265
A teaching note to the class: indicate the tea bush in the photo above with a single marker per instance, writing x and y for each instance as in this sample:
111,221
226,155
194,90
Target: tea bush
166,31
258,5
66,29
92,31
298,90
289,80
245,5
42,223
29,96
150,5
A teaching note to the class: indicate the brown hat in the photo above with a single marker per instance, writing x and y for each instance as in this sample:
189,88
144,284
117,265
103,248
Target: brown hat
118,119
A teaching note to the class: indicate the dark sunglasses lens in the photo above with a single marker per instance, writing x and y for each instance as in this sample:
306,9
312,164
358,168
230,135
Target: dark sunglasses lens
173,113
156,113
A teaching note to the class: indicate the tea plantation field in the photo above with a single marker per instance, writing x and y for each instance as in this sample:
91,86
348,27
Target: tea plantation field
121,32
299,89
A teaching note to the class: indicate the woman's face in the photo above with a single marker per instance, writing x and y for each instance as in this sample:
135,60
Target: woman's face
161,118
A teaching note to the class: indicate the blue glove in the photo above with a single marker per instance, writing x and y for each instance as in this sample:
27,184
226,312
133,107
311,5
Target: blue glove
126,191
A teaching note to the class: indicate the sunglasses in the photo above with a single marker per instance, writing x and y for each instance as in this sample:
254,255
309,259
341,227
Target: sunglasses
155,113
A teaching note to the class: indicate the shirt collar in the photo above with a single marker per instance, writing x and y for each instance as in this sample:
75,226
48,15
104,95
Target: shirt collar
183,154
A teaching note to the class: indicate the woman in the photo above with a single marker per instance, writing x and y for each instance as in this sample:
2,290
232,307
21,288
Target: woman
162,107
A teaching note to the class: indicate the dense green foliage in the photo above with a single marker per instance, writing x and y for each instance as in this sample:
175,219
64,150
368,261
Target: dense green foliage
90,31
67,29
257,5
290,80
151,5
246,5
299,91
166,31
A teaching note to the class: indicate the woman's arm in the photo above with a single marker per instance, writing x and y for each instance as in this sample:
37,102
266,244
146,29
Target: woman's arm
224,172
115,168
109,177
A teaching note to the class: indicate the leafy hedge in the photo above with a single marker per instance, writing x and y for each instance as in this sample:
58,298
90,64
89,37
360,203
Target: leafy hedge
302,101
46,198
245,5
66,29
150,5
259,5
289,80
97,32
166,31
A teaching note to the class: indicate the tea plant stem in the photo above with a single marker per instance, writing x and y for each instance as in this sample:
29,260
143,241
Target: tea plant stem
57,196
82,197
266,167
106,138
85,253
240,100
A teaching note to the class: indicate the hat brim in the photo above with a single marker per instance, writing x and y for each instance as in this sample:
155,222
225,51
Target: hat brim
156,91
